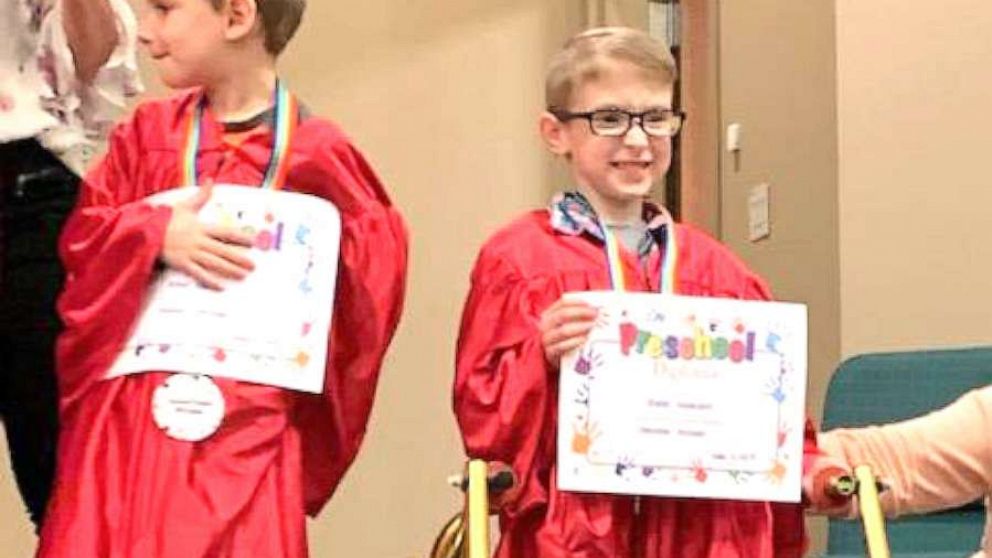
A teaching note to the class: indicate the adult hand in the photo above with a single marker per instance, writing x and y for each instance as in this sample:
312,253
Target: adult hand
91,29
207,253
564,326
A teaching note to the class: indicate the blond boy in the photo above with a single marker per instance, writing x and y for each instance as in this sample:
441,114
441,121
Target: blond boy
610,117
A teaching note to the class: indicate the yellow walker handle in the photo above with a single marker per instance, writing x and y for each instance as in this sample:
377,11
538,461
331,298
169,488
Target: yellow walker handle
466,534
871,513
477,509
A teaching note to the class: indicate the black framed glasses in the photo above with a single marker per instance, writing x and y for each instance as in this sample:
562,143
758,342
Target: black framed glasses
612,122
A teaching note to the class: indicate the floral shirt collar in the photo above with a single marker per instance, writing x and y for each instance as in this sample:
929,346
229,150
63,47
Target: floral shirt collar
572,214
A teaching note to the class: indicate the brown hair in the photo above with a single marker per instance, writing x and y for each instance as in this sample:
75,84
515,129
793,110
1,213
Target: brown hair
585,55
280,20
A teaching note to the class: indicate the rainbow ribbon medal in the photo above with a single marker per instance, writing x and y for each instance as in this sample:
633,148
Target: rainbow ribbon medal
168,410
286,109
668,263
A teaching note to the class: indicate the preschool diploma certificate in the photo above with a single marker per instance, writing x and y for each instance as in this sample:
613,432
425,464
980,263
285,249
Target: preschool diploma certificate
269,328
685,396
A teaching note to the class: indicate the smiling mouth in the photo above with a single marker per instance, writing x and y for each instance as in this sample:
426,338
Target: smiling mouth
630,164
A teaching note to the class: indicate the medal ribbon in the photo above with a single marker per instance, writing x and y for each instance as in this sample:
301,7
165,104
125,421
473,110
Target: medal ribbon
668,263
285,111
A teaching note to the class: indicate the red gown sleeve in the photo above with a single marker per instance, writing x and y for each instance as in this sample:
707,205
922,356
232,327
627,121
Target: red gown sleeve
109,247
503,390
368,302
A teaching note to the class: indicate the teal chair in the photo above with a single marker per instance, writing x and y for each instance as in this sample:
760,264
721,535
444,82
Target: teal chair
887,387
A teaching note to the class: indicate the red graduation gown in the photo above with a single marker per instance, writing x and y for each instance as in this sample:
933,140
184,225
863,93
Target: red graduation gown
124,489
505,399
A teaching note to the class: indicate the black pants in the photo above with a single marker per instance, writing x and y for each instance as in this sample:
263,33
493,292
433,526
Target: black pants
36,194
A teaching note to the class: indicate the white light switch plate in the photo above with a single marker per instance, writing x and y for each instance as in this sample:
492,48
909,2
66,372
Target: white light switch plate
733,137
758,222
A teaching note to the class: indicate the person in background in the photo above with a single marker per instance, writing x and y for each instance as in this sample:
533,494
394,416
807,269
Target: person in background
66,69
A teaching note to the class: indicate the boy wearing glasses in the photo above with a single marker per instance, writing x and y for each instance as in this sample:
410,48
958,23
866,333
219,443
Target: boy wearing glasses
610,117
154,465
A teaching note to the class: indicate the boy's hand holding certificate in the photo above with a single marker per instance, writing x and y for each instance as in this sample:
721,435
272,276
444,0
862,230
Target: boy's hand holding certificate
270,327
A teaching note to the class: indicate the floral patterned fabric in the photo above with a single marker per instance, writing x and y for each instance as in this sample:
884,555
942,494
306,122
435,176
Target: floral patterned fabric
39,92
571,213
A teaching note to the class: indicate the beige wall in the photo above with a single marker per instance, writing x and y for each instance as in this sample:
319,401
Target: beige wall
15,530
914,94
443,96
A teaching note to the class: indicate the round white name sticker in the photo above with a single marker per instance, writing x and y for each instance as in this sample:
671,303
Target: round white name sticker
187,407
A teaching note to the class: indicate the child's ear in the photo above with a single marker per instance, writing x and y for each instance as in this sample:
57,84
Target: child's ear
242,16
553,132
